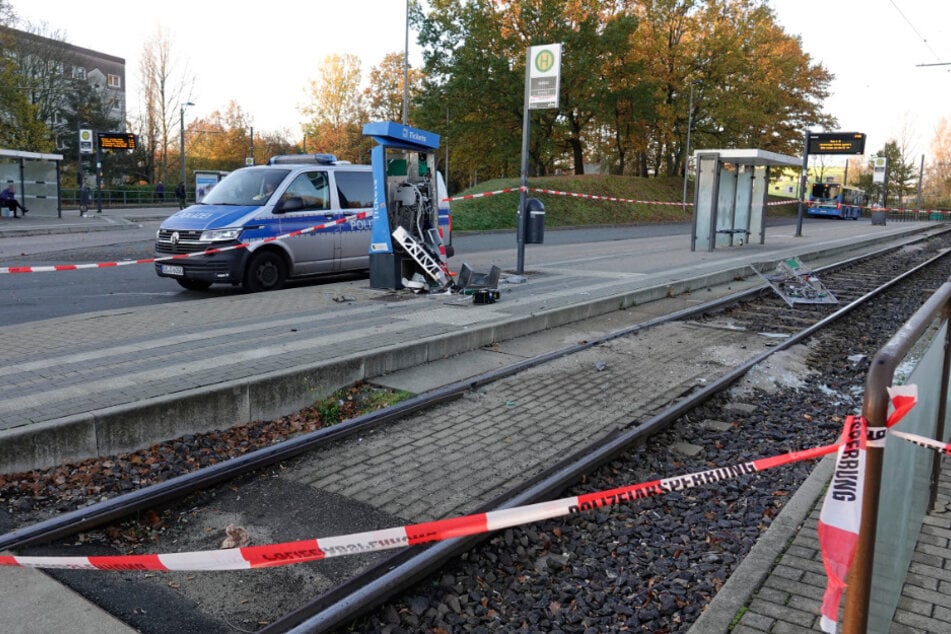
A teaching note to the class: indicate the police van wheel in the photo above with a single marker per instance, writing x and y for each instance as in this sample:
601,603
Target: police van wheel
266,272
194,285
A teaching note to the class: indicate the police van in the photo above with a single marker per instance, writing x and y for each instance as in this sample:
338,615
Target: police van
292,193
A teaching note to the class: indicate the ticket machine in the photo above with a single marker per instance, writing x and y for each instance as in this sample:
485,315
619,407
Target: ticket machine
406,247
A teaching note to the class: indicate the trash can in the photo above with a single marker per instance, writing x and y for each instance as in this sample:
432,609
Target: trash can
878,217
535,221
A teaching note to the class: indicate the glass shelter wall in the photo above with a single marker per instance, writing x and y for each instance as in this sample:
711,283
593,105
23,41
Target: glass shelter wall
36,180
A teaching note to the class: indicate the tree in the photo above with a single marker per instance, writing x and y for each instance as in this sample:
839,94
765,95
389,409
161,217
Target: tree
475,54
627,68
221,141
938,173
901,172
335,110
35,64
384,96
20,125
167,86
86,108
756,87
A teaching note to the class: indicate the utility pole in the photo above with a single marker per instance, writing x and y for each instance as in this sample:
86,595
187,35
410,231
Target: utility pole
695,82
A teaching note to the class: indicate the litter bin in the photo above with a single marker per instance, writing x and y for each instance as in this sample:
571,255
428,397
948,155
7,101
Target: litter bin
878,217
534,221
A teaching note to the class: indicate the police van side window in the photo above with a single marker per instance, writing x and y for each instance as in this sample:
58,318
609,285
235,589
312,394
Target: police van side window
312,189
354,189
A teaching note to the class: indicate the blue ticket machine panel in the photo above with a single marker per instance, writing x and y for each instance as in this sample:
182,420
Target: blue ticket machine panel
405,239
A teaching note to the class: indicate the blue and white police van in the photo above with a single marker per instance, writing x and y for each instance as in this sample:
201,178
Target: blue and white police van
292,193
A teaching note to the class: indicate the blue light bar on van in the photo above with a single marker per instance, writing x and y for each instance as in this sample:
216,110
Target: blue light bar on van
320,159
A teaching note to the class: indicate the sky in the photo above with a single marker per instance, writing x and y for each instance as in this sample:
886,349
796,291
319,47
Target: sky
875,49
263,56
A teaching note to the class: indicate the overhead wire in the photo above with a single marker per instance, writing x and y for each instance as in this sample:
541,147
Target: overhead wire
920,36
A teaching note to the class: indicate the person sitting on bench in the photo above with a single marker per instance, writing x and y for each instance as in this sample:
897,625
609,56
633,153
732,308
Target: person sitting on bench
8,199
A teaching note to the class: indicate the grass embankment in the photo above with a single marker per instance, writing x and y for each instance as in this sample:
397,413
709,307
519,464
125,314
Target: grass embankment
499,211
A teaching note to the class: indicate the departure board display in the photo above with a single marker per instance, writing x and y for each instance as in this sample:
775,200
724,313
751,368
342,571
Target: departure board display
116,141
836,143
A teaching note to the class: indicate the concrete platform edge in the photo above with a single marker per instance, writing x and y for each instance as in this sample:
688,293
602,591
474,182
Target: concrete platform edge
112,430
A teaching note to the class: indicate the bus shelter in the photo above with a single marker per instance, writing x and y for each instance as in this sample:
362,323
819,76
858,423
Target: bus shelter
36,178
730,191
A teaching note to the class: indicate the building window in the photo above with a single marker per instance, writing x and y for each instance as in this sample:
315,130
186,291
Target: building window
114,82
79,72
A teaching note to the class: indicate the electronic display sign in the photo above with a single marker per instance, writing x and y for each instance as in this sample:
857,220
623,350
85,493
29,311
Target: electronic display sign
836,143
116,141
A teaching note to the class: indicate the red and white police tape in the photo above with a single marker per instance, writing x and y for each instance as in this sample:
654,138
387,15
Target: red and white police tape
181,256
361,216
903,399
410,535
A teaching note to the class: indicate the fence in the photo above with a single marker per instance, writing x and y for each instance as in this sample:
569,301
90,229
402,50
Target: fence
115,198
900,483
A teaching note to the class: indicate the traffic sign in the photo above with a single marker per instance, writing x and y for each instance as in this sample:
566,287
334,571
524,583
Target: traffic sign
544,76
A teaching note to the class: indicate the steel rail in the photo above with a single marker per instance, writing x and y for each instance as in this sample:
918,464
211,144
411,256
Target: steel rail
394,574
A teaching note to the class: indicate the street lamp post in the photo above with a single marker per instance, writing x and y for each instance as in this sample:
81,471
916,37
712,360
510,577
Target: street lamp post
406,67
182,138
695,82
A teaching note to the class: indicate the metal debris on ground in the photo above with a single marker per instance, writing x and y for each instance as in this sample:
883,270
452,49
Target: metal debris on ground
796,284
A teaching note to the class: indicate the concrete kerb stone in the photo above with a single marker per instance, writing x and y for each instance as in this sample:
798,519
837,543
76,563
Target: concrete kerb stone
128,427
286,392
110,224
69,439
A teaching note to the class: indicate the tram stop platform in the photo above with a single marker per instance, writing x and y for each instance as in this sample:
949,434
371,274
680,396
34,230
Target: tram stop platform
112,381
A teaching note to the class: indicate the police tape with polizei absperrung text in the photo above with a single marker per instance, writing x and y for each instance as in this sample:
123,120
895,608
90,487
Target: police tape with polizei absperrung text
413,534
182,256
903,398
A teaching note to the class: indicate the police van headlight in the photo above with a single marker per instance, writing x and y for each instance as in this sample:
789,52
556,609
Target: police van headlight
220,235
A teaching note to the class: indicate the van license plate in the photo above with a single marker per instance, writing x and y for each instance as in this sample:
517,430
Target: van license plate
170,269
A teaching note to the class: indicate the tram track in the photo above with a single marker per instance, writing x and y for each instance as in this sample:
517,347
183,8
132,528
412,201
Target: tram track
346,600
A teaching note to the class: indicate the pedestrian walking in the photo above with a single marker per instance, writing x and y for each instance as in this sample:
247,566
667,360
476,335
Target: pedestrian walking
84,200
180,194
160,192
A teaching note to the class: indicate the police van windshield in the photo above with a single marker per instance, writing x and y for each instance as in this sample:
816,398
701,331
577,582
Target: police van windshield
248,186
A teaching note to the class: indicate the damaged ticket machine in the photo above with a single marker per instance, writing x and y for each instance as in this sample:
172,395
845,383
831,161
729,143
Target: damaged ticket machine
406,244
730,196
